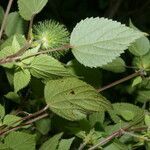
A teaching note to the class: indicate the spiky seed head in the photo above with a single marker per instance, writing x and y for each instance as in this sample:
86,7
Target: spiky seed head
51,34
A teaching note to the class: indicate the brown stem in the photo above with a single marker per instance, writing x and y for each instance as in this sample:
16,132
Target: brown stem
120,81
16,58
115,134
30,28
25,124
25,118
5,17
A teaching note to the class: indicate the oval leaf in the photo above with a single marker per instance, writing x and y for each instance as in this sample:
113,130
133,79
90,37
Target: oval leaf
29,8
97,41
72,98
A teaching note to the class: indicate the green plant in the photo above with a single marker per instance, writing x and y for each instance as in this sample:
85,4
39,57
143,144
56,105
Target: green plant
61,106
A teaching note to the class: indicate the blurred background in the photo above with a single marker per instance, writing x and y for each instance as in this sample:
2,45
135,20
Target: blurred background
70,12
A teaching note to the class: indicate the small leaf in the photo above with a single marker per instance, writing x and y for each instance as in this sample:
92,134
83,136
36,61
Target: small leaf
43,125
65,144
29,52
142,62
98,41
143,96
29,8
140,46
10,119
15,24
72,98
13,96
21,79
46,67
52,143
137,81
117,65
20,141
20,38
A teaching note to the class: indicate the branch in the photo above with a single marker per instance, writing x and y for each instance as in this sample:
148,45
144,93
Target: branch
121,81
36,114
115,134
5,17
25,124
10,59
30,28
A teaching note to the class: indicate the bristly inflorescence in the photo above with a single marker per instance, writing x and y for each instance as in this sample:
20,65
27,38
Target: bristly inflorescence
51,34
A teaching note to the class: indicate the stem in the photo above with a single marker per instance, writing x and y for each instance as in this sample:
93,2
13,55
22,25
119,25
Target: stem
25,124
115,134
10,59
120,81
25,118
30,28
82,146
5,17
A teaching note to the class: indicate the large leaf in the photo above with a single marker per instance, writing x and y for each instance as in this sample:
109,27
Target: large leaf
15,24
97,41
46,67
21,79
29,8
20,141
72,98
52,143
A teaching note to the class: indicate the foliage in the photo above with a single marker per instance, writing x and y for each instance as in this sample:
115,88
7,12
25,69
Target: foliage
53,101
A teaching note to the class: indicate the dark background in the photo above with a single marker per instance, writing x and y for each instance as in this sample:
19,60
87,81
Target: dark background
70,12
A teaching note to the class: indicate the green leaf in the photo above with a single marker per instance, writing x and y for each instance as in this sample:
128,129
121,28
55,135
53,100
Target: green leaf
21,79
20,141
142,62
46,67
20,38
2,112
140,46
28,53
43,125
126,111
15,24
1,14
127,115
10,50
98,41
72,98
117,65
29,8
10,119
147,120
13,96
143,96
65,144
96,118
137,81
85,73
52,143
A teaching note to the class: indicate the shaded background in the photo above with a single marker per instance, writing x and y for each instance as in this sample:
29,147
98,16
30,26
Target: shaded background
70,12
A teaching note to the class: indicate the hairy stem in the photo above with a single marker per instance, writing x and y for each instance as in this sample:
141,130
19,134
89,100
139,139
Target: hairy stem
30,28
5,17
